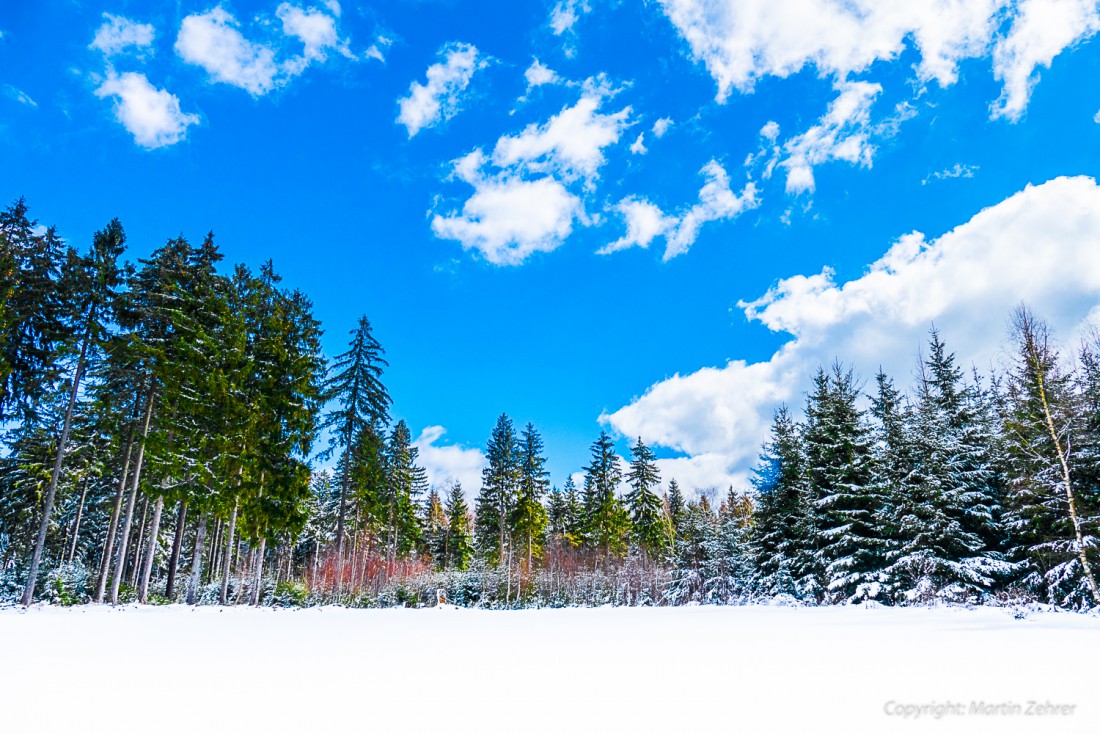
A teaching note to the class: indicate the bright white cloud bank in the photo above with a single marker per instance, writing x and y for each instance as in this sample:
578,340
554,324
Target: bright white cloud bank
1041,246
438,100
151,115
742,41
446,465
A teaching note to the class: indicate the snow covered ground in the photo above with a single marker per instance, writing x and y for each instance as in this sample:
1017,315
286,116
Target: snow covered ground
713,669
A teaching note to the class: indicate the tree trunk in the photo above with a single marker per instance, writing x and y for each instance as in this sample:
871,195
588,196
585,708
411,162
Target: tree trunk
259,572
139,545
215,553
177,547
76,525
196,562
51,491
340,516
112,530
1069,487
120,563
150,554
228,553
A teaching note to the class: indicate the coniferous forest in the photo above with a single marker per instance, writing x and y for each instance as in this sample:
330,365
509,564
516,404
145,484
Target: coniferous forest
164,420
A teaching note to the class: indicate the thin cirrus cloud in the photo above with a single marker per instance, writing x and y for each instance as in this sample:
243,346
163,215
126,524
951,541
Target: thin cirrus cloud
1040,246
153,116
439,98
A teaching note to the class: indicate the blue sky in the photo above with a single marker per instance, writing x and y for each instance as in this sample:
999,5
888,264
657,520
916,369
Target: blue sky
528,237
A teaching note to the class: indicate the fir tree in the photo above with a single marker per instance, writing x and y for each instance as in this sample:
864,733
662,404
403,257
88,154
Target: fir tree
781,541
529,519
607,524
499,486
459,538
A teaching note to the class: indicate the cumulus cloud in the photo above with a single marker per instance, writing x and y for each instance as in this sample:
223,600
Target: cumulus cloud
508,218
1041,30
438,100
661,127
117,35
638,146
1041,246
538,74
842,134
570,143
317,32
565,15
151,115
448,464
213,41
742,41
645,221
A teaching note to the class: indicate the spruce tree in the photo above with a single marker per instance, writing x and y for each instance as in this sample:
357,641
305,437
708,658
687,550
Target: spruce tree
607,523
459,538
529,519
499,487
652,531
780,535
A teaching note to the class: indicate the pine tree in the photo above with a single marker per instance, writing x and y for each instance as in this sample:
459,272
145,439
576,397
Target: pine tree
407,482
652,531
91,291
607,523
850,553
728,569
529,519
1048,518
499,487
780,539
355,384
675,506
459,539
435,529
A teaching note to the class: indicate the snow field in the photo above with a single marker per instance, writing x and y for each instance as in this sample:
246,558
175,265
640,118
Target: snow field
710,669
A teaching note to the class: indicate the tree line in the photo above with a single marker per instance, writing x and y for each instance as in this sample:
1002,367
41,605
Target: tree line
160,421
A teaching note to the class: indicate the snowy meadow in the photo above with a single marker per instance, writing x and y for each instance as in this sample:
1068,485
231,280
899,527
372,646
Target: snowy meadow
613,669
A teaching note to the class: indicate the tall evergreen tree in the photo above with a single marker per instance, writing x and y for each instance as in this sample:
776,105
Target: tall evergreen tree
499,487
354,384
607,522
652,531
781,541
529,516
459,538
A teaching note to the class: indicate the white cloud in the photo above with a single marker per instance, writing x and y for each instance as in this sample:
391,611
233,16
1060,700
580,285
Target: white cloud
438,100
445,465
958,170
645,221
661,127
843,134
538,74
638,146
565,15
741,41
375,51
508,218
716,201
19,95
1041,30
316,30
118,34
571,142
1041,246
151,115
212,41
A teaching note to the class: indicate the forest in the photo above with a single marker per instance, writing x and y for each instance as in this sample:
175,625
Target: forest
166,424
